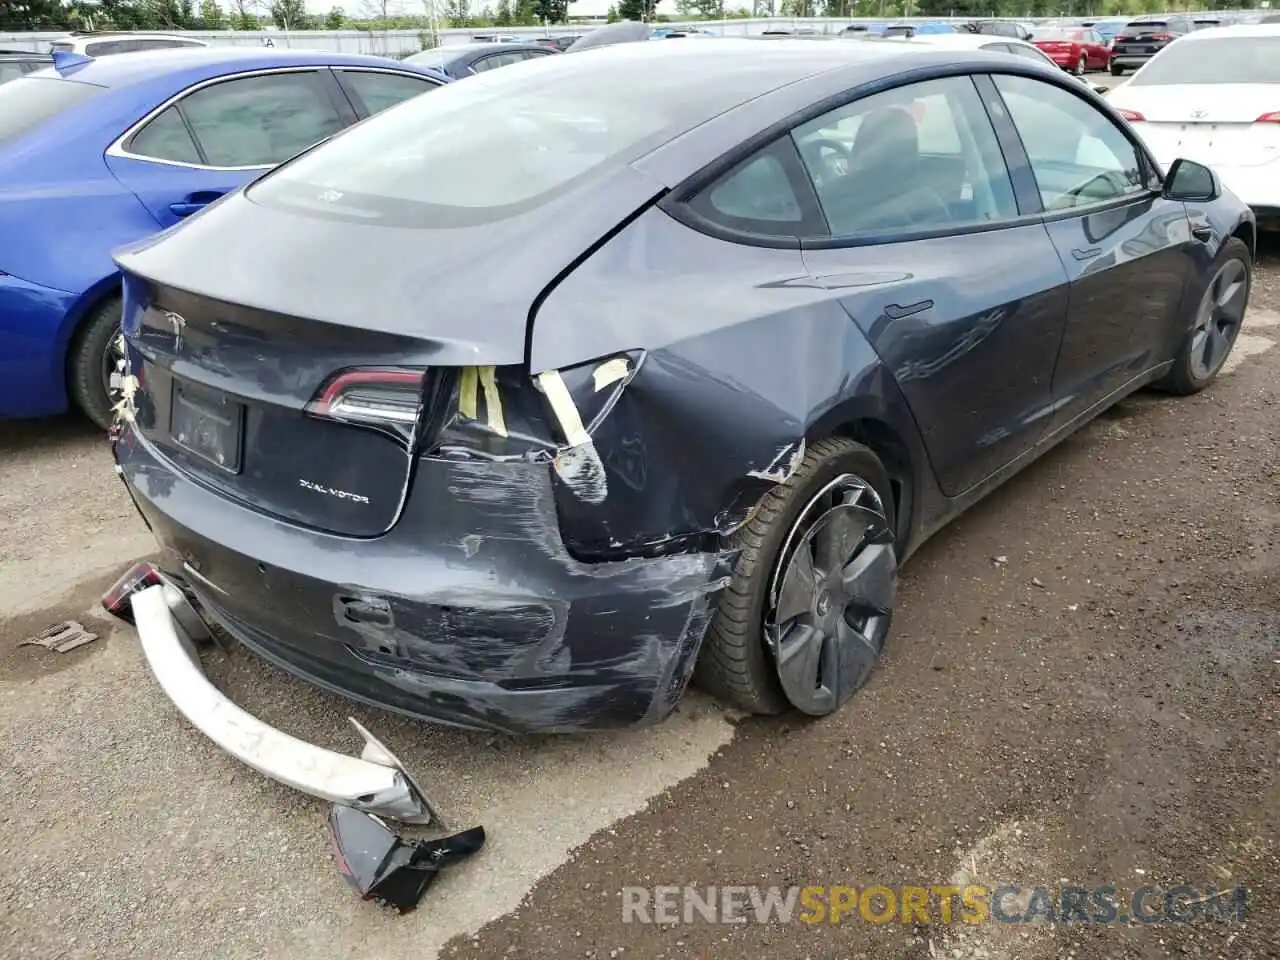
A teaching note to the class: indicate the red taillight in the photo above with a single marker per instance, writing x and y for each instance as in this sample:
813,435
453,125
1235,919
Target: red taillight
116,601
1131,115
1272,117
1161,36
378,396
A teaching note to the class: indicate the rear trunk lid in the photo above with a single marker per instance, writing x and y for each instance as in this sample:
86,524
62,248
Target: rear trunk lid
1212,123
238,321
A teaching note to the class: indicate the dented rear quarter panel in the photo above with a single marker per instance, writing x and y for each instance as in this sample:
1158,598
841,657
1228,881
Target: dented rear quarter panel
746,357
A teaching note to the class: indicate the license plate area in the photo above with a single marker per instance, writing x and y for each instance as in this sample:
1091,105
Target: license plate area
207,424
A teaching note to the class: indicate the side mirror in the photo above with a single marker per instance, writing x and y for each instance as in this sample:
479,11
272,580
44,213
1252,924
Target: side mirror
1191,182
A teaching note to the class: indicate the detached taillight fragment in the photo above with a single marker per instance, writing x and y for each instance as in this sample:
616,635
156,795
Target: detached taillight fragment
1272,117
1133,116
117,600
386,397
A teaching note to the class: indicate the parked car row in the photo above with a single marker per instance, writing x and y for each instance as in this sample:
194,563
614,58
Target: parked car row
1212,95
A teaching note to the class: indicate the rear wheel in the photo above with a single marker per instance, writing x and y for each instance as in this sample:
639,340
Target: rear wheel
1082,66
1216,324
809,605
1117,71
96,361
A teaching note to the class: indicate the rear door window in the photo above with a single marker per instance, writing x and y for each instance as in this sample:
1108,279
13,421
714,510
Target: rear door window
11,70
165,138
261,121
374,91
27,102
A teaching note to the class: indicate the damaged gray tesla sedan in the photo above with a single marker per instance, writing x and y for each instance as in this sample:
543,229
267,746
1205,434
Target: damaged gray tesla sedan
524,402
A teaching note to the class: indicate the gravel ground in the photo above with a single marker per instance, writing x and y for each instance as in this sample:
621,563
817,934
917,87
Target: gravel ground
1082,686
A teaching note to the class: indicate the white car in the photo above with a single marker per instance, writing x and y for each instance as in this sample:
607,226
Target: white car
1213,96
986,41
102,44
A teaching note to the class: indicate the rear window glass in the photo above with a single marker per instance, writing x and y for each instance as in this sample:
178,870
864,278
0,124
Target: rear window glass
1144,24
1059,34
506,141
1224,60
27,102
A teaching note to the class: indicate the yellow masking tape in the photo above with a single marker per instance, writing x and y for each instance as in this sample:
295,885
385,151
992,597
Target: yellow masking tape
492,401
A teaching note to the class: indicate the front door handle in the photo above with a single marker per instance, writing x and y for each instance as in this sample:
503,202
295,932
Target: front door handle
1202,232
1088,254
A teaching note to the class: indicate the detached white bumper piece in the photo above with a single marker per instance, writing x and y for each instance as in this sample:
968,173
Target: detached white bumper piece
375,782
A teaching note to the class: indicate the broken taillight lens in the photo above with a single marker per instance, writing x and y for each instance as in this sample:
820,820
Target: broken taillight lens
386,397
116,601
503,413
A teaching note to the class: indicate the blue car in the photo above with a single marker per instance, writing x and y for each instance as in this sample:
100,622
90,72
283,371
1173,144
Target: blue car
95,154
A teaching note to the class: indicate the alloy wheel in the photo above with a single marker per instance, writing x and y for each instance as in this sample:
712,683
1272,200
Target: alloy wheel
1082,66
832,595
1219,318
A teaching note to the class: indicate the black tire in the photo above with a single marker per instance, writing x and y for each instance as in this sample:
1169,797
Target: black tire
1184,379
86,380
736,663
1117,71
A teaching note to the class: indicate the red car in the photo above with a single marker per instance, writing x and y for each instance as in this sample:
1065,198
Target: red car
1073,48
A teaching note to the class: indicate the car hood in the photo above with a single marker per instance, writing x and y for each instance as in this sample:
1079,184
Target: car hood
468,291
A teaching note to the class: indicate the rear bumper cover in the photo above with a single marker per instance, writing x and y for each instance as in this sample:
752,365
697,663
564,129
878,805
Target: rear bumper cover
469,612
374,782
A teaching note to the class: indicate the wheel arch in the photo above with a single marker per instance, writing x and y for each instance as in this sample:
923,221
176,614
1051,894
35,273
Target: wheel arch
899,451
97,294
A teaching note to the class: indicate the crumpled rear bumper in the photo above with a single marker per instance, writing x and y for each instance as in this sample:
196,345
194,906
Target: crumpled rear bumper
375,782
469,612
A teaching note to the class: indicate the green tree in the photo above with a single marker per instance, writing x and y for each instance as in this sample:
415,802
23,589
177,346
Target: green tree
458,13
612,15
290,14
211,15
690,9
335,18
637,9
504,16
551,11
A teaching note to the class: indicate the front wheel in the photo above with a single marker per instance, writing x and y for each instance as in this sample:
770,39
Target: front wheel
809,605
1216,324
96,362
1117,71
1082,66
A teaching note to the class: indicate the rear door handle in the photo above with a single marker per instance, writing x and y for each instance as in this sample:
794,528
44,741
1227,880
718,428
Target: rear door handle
194,202
1088,254
186,209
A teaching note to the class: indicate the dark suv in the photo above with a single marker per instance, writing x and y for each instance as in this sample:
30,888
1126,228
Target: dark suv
18,63
1141,40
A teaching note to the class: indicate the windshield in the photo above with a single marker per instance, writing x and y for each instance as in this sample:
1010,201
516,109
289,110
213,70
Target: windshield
500,144
1224,60
27,102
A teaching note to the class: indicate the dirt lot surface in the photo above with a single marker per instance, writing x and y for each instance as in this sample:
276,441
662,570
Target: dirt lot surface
1082,687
